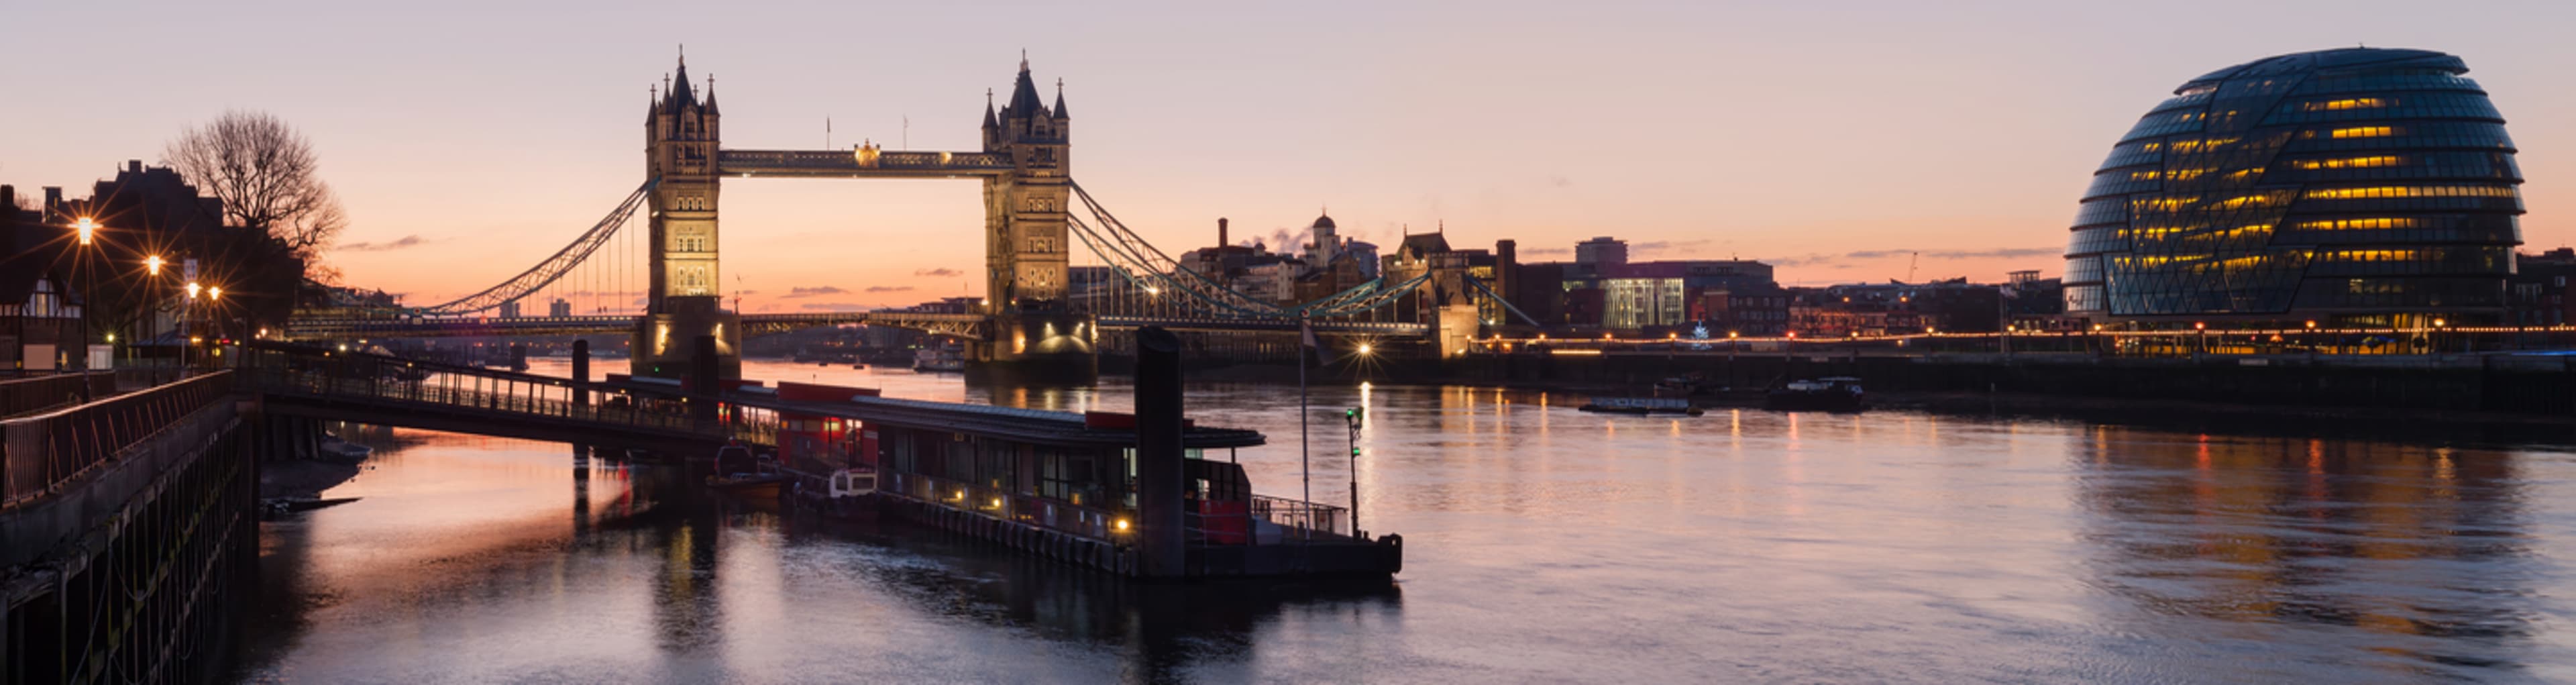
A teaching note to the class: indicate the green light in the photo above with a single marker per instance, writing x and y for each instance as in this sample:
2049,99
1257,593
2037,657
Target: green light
1355,451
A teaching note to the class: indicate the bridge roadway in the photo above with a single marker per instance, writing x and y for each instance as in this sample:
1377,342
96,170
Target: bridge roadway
954,325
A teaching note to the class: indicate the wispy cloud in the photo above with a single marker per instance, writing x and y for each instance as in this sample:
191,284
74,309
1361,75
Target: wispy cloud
1997,253
942,272
833,307
1808,259
888,288
1663,245
802,291
1814,259
388,246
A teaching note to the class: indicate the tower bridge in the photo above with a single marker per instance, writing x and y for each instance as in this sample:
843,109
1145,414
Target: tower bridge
1035,318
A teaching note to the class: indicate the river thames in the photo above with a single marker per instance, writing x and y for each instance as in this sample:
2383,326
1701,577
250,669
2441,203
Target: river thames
1542,545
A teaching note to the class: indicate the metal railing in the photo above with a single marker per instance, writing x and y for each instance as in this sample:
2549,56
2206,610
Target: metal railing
1265,520
33,394
42,452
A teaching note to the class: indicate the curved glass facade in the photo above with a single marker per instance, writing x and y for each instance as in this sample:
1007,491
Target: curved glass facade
2360,186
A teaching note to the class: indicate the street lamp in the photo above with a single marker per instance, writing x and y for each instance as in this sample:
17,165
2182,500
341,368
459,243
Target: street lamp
152,265
87,227
1353,416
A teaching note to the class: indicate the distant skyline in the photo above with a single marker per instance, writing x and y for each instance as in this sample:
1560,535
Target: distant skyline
469,140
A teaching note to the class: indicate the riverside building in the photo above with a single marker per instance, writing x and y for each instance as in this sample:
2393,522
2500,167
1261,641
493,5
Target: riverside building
2352,187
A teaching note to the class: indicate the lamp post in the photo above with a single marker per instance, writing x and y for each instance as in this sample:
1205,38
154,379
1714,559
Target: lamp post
187,313
1354,416
152,295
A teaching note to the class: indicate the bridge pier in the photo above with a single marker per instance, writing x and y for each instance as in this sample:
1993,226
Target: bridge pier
1037,349
664,341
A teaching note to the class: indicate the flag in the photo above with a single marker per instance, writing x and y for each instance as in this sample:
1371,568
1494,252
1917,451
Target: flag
1306,332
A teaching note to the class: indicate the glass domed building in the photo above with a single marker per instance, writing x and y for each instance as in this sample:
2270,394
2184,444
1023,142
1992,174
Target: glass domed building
2352,187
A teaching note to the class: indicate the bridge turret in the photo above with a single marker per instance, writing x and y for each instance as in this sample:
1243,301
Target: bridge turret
681,145
1027,235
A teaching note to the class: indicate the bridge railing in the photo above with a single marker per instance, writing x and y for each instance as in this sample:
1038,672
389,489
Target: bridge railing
32,394
353,376
41,453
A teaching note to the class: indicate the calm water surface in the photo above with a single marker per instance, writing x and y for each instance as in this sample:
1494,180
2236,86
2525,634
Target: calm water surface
1542,544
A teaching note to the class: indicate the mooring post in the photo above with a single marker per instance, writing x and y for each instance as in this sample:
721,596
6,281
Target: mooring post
1159,539
702,381
580,373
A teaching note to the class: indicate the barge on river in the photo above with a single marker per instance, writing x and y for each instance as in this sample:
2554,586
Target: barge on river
1068,486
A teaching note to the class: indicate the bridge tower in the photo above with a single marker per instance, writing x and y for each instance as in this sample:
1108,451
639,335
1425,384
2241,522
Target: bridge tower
1034,330
680,142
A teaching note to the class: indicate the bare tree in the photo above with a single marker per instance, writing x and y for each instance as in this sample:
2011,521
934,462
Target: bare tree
265,173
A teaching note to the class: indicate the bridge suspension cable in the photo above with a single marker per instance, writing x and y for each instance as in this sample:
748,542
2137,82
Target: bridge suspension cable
546,272
1141,266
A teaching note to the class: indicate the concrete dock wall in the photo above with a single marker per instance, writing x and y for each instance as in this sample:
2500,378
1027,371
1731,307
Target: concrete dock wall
137,572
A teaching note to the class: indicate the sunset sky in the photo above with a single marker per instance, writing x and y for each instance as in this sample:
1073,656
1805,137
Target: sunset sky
471,139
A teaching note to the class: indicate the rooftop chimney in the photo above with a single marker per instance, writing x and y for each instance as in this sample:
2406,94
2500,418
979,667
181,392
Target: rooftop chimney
1220,231
134,166
53,198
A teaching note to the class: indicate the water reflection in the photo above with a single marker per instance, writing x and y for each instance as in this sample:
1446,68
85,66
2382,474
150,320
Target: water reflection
442,572
1544,544
2408,561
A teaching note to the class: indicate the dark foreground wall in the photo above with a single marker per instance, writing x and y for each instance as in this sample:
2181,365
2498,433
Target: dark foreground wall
137,571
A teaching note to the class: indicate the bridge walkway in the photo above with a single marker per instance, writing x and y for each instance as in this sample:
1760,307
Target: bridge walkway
383,390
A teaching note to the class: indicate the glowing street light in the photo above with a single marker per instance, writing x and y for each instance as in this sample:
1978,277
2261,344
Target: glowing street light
192,290
215,293
87,227
1365,348
152,265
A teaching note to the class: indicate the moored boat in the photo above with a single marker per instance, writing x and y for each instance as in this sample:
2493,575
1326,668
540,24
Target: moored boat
938,358
334,447
1059,485
1641,406
1832,393
1685,385
737,472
